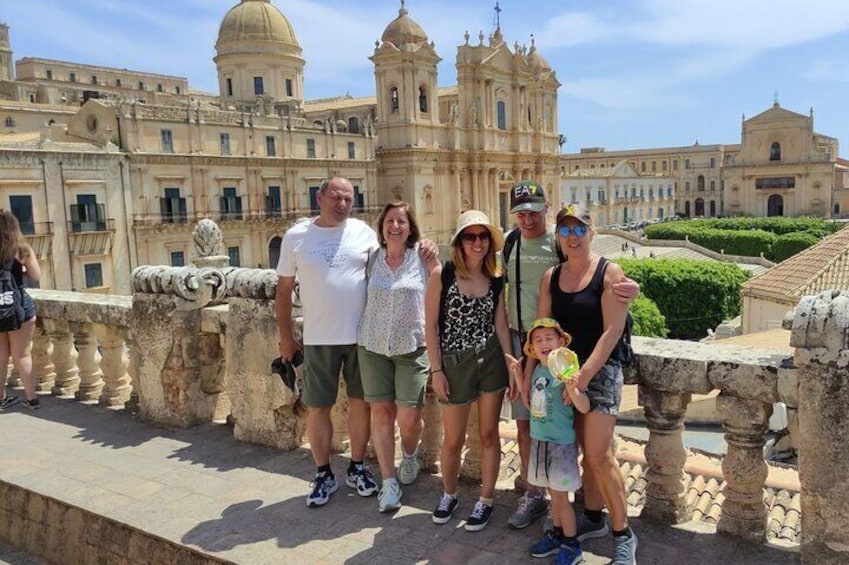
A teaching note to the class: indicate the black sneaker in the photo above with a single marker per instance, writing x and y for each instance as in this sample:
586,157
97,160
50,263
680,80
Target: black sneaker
447,506
32,404
479,517
361,479
8,402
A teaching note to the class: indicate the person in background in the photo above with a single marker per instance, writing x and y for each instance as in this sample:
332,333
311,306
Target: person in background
18,259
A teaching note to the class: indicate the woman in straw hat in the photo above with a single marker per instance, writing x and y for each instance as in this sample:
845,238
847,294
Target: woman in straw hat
579,294
467,335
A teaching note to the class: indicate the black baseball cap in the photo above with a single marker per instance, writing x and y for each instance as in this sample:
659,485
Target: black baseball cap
527,196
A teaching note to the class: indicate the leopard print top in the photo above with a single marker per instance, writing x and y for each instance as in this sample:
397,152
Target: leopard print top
469,321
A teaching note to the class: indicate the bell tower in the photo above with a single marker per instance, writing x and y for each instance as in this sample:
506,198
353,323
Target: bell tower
7,69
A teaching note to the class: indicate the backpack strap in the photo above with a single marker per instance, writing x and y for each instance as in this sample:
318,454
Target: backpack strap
497,286
447,277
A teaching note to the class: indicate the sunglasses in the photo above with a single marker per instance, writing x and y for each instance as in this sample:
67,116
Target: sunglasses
579,231
472,237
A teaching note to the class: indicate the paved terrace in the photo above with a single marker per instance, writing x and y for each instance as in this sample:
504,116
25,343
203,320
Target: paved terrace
101,485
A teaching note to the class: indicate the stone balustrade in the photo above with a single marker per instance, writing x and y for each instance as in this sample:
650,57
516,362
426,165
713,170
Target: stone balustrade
201,339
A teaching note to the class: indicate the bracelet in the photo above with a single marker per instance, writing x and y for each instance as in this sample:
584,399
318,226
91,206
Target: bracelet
434,371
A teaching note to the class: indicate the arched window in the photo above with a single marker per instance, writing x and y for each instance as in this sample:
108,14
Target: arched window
393,99
274,251
422,99
700,207
353,125
775,205
700,183
501,108
775,152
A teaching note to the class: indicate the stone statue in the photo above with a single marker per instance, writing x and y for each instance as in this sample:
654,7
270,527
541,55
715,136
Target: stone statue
454,113
473,114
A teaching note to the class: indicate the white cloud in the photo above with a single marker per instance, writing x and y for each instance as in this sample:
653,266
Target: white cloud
826,71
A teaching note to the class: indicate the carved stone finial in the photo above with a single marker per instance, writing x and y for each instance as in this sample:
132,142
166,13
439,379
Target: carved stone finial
209,245
466,37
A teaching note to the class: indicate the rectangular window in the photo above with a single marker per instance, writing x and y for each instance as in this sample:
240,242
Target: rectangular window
93,275
642,166
141,85
176,90
314,198
231,205
159,88
663,165
235,259
601,196
21,207
501,108
270,147
173,207
167,141
288,87
118,82
713,162
72,77
686,163
225,143
259,88
273,205
359,199
178,259
712,185
675,165
653,166
87,215
229,87
49,74
352,150
93,79
311,148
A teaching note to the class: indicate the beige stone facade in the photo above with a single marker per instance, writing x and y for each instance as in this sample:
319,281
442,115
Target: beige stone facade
109,168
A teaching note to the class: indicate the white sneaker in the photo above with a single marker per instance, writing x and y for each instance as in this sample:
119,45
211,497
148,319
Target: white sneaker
389,497
409,469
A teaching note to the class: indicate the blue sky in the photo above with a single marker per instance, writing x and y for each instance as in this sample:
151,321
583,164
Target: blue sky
635,73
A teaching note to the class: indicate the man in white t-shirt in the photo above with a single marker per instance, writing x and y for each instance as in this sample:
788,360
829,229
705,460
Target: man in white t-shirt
329,255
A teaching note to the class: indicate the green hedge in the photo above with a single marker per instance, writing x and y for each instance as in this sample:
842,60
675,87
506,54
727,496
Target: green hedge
744,236
692,295
648,321
790,244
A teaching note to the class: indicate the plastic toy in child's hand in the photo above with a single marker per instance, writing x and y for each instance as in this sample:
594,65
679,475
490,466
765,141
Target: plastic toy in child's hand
563,364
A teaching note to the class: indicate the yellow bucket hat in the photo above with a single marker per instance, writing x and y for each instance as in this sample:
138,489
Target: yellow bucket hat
544,323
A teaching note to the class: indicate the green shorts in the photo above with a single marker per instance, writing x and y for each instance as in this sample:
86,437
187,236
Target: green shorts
322,364
398,378
474,371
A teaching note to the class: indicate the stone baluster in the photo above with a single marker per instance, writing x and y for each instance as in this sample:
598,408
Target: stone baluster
132,403
91,377
820,334
42,365
665,455
745,423
431,442
64,358
116,379
471,468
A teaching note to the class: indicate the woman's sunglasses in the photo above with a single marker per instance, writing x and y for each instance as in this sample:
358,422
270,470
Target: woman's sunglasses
579,231
472,237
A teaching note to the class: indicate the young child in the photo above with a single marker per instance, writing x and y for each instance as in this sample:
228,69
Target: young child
553,461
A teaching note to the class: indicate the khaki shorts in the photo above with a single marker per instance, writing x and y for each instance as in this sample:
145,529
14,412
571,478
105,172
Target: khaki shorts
554,466
398,378
474,371
322,364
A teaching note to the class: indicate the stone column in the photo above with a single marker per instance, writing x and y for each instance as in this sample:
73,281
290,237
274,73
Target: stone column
431,442
91,377
820,334
665,455
116,379
64,358
42,365
745,423
471,467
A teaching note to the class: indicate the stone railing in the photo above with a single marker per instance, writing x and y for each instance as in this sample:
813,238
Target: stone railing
201,340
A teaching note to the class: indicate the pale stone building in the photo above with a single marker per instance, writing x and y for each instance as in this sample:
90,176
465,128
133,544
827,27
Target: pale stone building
618,195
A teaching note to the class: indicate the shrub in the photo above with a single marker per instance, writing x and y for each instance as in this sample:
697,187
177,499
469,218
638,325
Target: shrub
790,244
692,295
648,321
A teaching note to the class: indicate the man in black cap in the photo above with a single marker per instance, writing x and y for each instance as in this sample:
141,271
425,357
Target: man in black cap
534,244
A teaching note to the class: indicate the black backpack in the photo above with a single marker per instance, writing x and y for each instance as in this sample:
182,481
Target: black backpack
11,299
623,352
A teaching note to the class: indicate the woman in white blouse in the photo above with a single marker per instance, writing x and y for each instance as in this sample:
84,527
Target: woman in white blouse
392,355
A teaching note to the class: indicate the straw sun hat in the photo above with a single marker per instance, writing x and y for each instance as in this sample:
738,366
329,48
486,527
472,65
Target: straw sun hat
478,218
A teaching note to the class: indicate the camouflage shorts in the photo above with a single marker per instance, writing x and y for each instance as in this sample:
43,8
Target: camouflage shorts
605,389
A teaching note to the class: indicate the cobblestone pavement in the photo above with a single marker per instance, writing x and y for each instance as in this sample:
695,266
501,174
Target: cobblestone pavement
246,504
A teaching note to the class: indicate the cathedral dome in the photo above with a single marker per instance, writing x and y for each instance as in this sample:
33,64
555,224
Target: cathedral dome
537,61
403,30
255,20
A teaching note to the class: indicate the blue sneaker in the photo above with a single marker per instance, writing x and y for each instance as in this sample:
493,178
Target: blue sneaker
548,545
569,555
626,550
